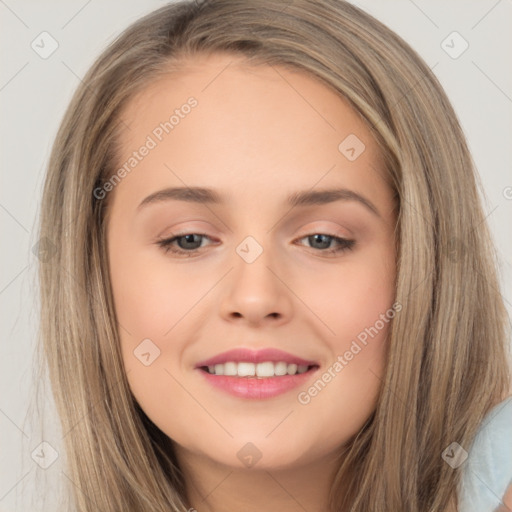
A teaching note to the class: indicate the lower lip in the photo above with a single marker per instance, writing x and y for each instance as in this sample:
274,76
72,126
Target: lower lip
257,388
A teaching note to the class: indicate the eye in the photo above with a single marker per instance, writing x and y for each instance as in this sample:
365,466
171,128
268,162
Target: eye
325,240
188,244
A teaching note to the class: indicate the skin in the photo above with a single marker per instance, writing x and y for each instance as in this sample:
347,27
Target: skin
507,501
256,135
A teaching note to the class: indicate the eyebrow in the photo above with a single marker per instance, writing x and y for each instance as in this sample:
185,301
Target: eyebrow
296,199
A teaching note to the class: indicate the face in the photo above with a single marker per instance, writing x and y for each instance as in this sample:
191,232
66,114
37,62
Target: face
250,256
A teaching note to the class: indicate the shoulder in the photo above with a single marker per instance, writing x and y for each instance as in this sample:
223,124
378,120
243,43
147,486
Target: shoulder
487,471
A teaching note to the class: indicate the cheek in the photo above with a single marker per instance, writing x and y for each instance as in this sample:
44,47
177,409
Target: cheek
150,303
353,300
357,306
150,297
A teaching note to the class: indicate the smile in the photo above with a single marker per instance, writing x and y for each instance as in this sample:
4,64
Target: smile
261,370
260,374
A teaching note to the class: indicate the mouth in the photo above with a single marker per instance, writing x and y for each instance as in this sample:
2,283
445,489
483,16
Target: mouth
264,370
256,374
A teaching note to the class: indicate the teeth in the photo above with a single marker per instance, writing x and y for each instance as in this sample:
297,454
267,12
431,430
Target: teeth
245,369
280,369
262,370
265,369
230,369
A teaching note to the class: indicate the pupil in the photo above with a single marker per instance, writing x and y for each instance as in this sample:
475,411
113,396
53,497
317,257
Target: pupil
326,241
189,239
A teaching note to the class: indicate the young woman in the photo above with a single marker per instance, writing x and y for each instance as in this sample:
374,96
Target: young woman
279,291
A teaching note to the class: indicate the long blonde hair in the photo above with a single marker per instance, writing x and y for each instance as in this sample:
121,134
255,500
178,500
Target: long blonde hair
447,361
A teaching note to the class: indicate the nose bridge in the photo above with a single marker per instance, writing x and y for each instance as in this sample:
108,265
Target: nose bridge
254,259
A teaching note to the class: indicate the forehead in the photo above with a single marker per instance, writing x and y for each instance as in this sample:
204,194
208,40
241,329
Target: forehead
239,94
257,127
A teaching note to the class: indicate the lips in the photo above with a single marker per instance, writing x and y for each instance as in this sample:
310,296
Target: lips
245,373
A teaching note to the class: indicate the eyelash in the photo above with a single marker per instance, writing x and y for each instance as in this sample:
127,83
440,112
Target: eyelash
344,244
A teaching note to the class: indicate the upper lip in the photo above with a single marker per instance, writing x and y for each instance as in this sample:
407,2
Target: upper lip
255,356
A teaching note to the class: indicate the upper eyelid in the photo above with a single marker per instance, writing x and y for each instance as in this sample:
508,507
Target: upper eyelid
310,233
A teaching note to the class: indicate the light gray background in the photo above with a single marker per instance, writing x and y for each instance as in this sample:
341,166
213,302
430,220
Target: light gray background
34,93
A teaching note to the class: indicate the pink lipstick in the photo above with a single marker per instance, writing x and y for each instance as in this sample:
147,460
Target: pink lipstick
257,374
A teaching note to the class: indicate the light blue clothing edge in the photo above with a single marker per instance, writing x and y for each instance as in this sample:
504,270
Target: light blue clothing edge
487,472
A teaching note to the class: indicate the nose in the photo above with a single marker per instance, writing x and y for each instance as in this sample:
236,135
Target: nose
257,293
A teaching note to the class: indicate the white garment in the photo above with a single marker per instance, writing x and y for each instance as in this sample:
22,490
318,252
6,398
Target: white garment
487,472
